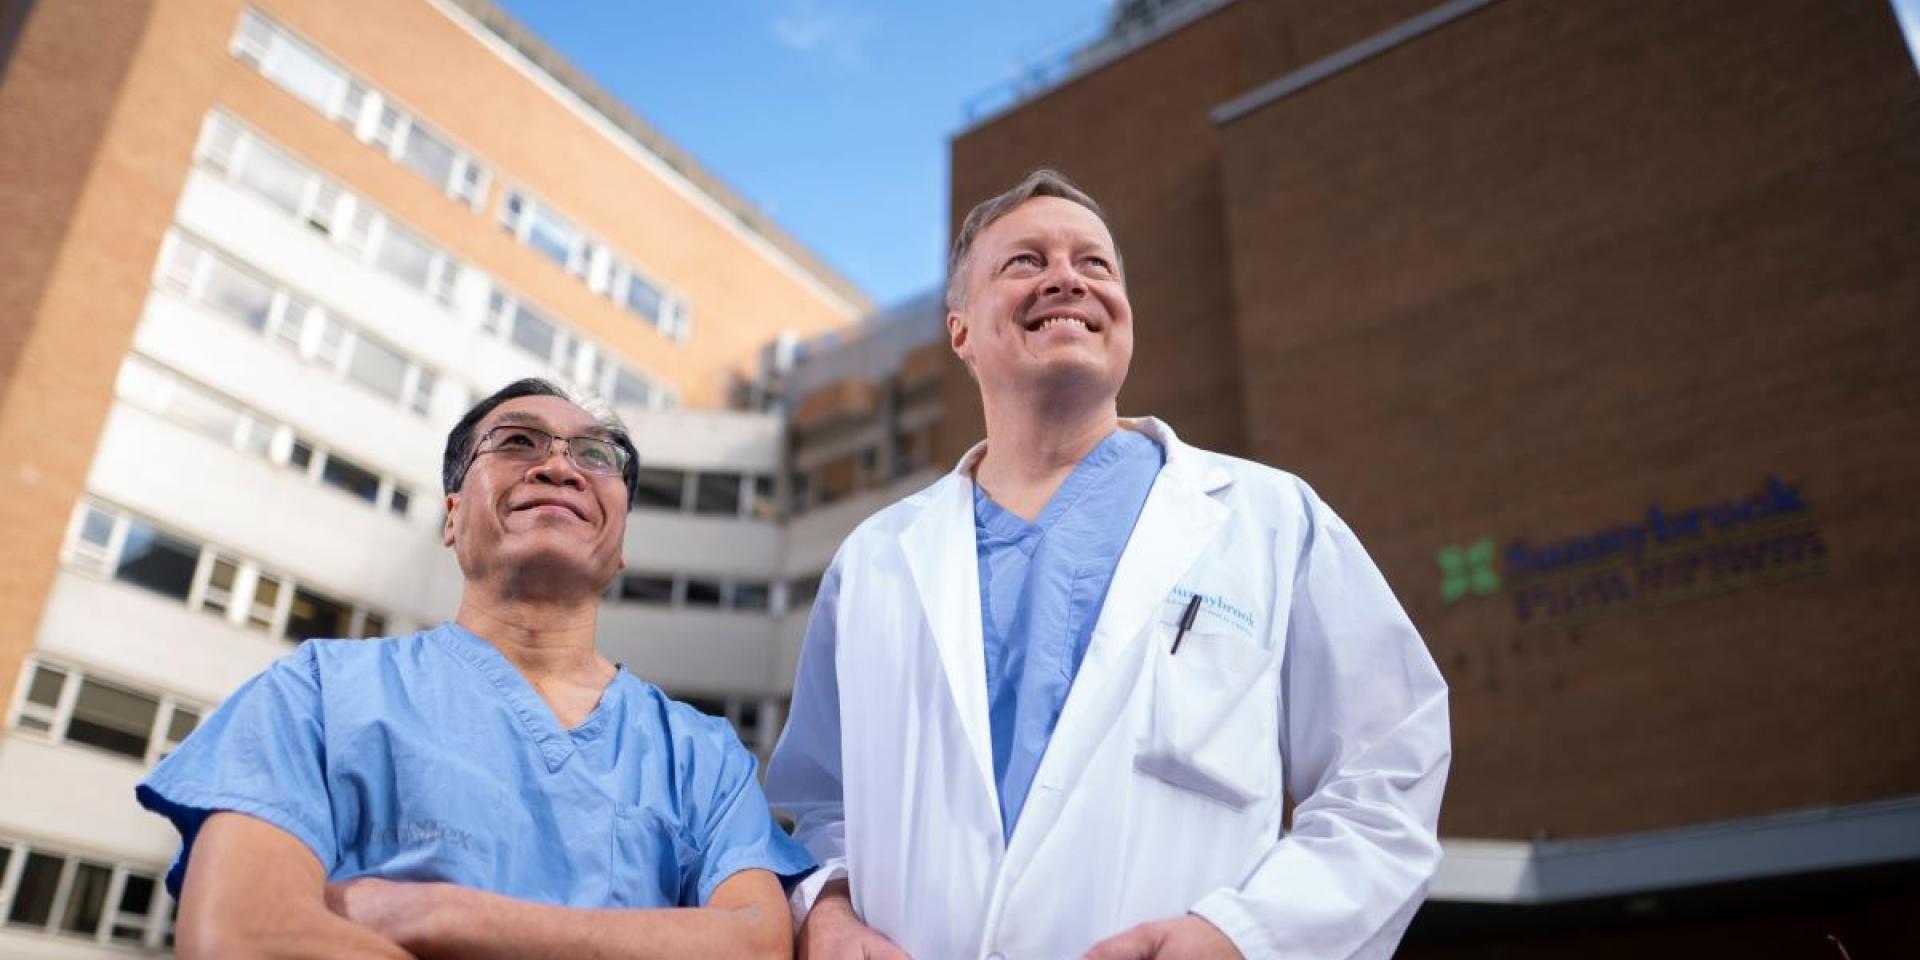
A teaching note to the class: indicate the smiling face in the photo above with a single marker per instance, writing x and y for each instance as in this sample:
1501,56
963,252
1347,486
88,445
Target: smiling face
1045,308
537,525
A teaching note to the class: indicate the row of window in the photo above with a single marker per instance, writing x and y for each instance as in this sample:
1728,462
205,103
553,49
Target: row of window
67,706
158,390
247,160
568,354
79,897
375,118
695,592
289,184
700,592
709,493
214,280
370,114
555,237
110,542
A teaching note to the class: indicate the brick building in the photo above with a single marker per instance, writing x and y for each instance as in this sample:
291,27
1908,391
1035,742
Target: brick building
1597,322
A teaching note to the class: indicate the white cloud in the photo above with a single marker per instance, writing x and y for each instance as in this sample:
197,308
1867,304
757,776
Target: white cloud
834,32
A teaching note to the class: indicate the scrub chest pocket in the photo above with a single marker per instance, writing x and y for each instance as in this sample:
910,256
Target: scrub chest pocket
1214,723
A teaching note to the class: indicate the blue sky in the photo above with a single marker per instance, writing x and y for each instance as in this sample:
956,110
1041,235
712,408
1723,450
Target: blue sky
831,115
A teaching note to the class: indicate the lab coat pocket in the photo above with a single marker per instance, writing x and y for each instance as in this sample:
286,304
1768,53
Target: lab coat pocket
654,865
1214,725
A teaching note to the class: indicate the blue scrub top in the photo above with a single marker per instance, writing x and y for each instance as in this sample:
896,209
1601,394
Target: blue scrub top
430,758
1041,588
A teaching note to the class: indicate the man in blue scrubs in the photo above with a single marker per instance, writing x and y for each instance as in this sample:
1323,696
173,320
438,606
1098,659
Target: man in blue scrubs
492,786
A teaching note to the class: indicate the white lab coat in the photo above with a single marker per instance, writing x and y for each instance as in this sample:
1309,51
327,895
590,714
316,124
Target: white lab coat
1160,792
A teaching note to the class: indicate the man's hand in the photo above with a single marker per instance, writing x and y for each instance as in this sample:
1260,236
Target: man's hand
1181,938
834,932
402,912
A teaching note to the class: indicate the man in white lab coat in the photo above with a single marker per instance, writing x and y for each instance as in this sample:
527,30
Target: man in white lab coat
1055,704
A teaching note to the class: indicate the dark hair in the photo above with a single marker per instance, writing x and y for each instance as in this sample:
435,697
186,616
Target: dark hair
461,439
1042,182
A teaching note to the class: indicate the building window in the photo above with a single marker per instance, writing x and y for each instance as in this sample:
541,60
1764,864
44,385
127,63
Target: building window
646,300
161,391
41,706
753,596
717,494
193,270
660,489
68,706
94,900
373,117
235,588
112,718
560,240
33,896
317,615
644,588
702,592
274,175
157,561
292,65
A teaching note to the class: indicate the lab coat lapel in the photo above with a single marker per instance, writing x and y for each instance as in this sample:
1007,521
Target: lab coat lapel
941,554
1177,524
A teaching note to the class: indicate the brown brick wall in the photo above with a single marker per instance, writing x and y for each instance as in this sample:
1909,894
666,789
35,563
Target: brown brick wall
1137,136
1555,262
91,179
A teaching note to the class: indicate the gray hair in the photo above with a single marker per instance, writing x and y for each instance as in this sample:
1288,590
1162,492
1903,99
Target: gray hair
1042,182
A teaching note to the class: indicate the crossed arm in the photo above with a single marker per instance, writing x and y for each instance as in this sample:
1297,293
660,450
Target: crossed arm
254,891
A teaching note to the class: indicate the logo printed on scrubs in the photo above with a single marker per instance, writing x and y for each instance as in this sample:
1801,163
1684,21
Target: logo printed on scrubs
1468,569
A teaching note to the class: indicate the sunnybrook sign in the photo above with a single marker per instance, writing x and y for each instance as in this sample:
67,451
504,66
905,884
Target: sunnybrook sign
1661,557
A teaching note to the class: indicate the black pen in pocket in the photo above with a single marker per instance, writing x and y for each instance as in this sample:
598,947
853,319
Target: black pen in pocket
1186,623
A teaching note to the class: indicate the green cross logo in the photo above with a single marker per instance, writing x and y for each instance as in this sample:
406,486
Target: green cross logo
1468,569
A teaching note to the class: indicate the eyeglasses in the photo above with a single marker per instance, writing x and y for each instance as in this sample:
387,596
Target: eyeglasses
594,455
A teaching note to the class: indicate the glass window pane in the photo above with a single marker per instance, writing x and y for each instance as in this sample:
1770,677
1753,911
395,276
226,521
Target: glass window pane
533,334
429,156
300,456
644,299
342,475
204,412
753,596
157,561
302,73
87,902
377,368
112,718
181,724
136,905
717,493
401,500
33,900
257,437
219,593
632,389
373,625
317,615
238,294
405,256
703,593
640,588
266,596
46,685
552,236
660,489
274,176
97,528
